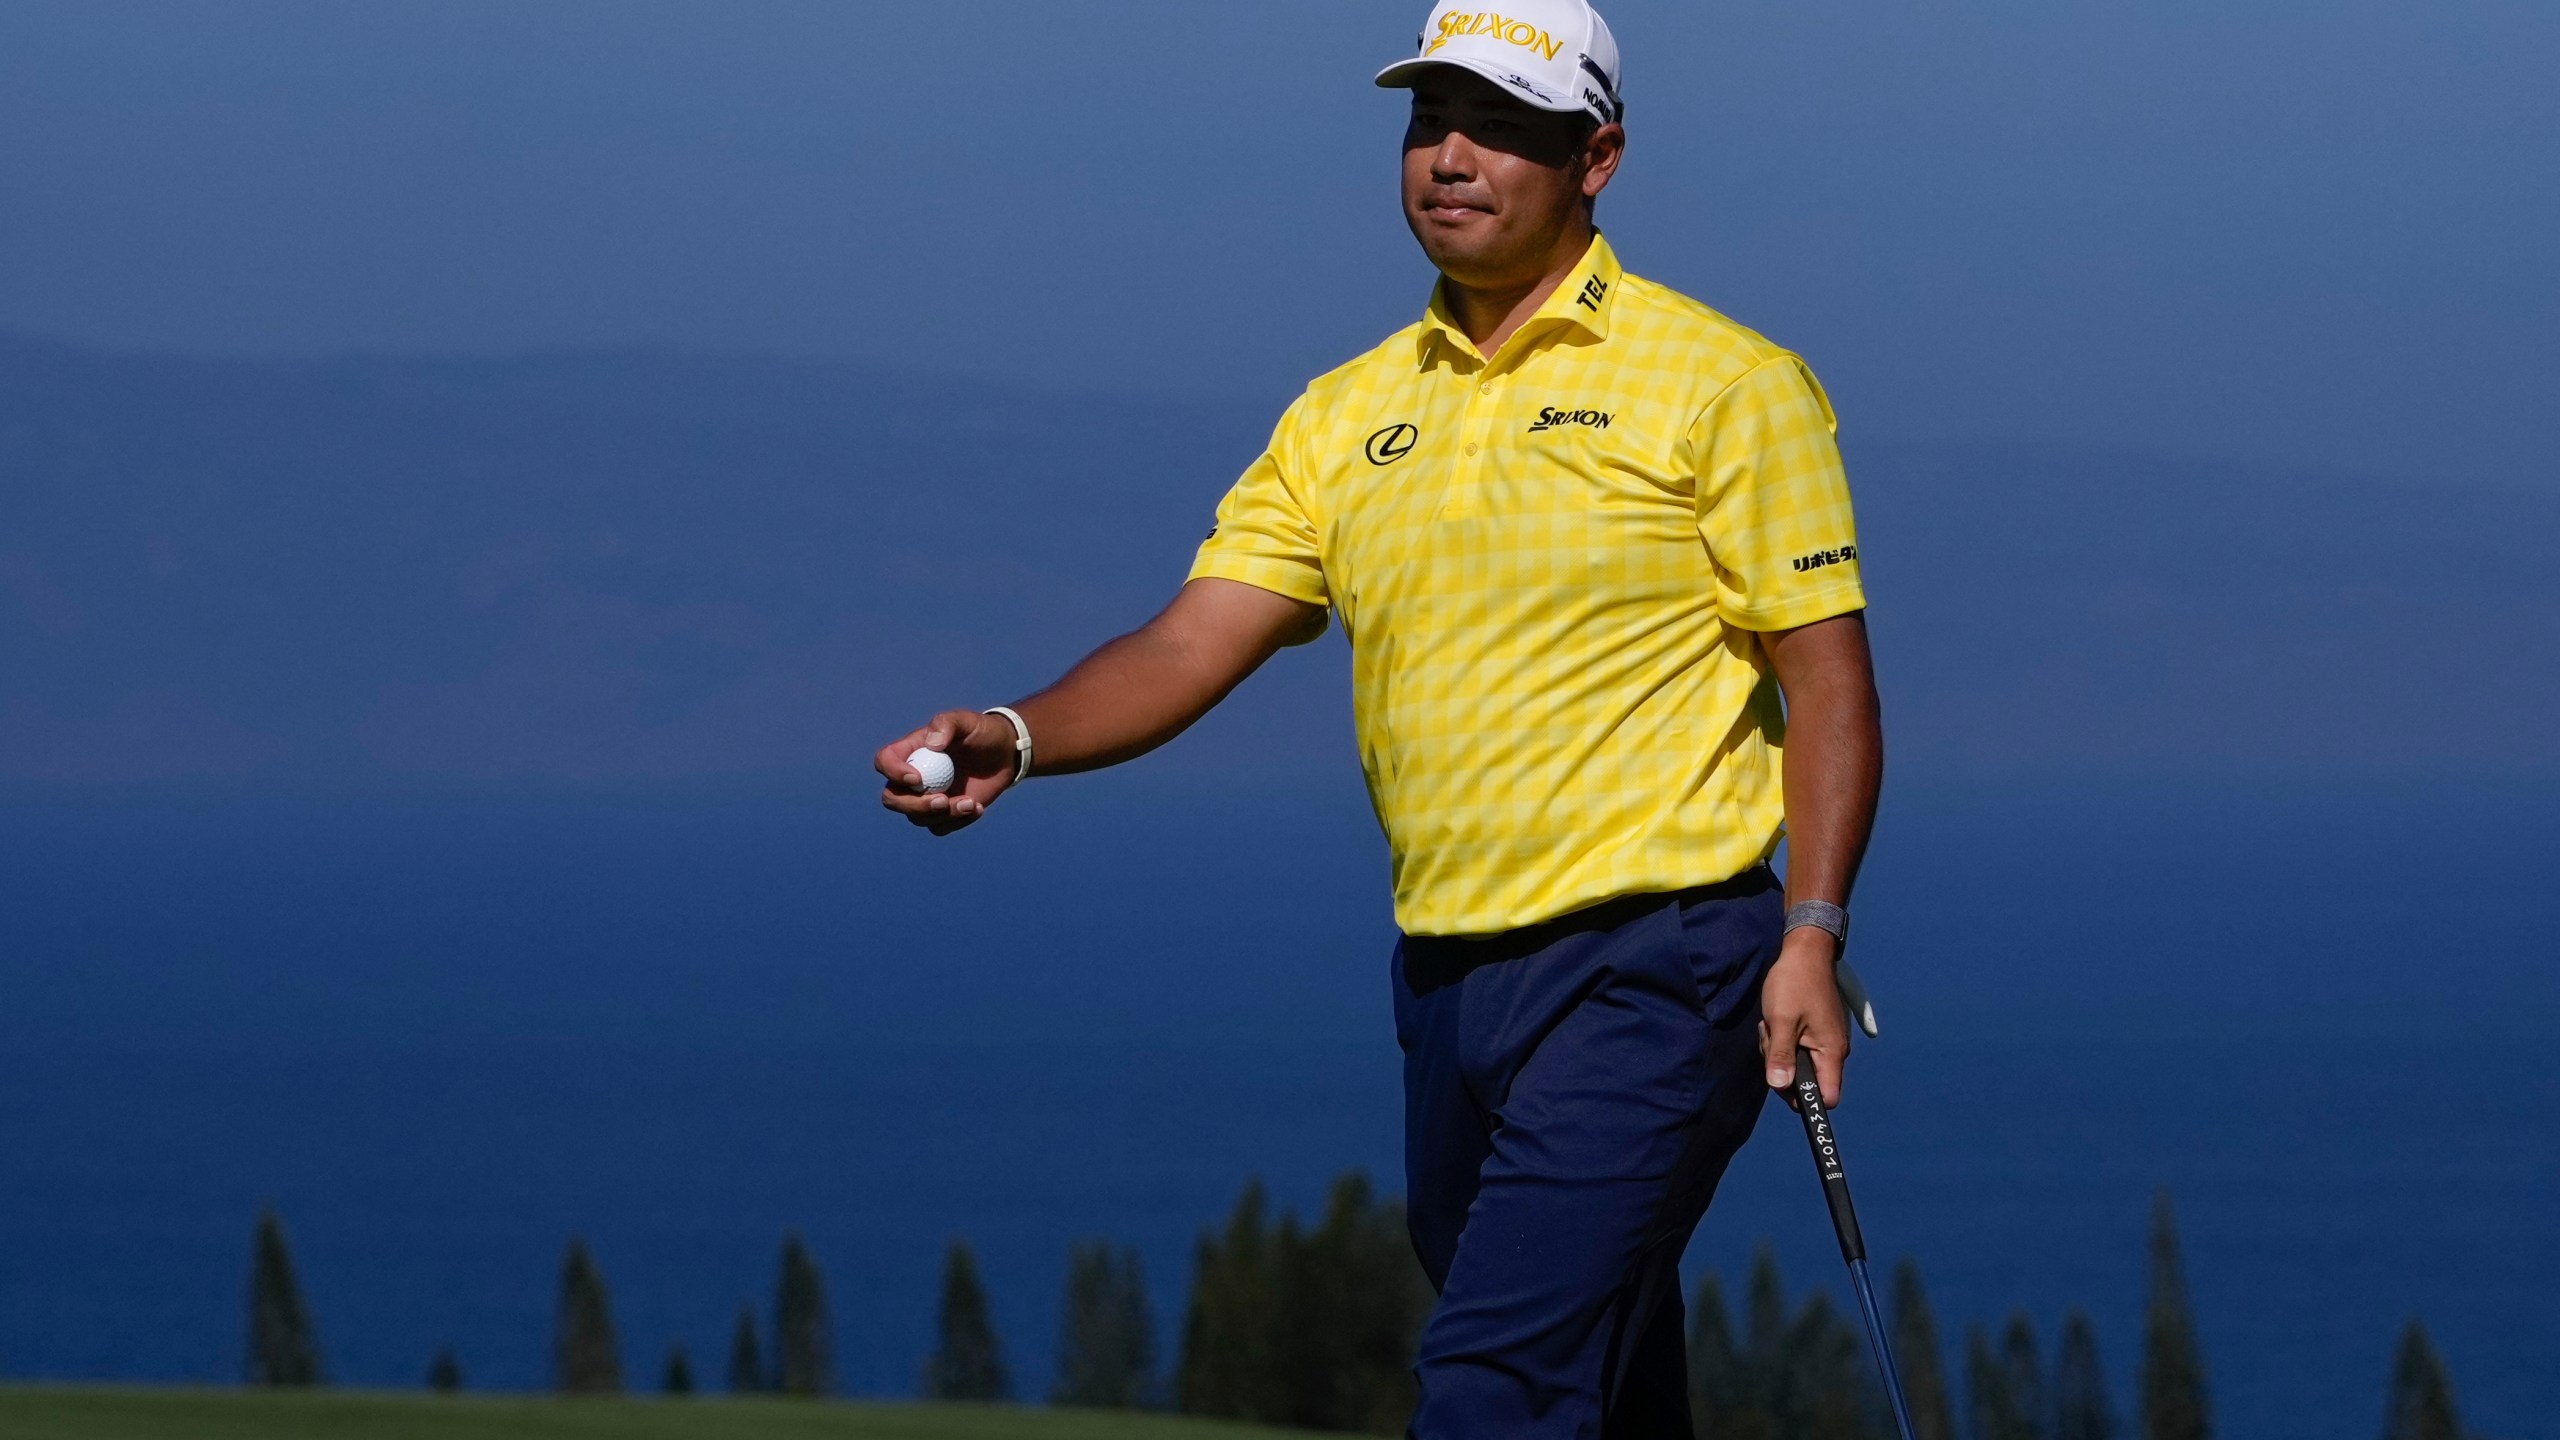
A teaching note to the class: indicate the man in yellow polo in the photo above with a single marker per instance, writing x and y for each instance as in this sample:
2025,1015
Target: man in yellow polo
1592,547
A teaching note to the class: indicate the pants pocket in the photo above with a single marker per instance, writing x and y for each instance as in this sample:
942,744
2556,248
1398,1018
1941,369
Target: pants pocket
1731,943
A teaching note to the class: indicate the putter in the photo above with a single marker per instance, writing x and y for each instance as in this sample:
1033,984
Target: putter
1844,1221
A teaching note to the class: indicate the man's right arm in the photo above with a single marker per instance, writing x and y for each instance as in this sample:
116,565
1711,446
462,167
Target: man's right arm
1118,703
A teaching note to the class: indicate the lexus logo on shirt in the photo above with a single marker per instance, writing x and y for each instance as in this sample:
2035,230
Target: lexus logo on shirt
1392,444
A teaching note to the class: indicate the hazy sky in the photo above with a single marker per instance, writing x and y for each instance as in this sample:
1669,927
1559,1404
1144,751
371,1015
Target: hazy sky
2313,233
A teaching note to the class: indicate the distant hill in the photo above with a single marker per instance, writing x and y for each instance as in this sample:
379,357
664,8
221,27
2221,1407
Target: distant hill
616,567
343,1415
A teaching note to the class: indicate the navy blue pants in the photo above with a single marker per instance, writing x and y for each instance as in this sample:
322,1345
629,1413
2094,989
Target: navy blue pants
1572,1094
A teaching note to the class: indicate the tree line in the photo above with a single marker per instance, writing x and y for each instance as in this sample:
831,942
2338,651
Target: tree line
1314,1324
1804,1373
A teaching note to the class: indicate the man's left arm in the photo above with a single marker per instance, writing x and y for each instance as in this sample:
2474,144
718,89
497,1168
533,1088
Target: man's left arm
1834,761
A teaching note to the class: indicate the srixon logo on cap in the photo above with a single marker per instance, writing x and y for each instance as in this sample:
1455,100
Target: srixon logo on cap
1501,27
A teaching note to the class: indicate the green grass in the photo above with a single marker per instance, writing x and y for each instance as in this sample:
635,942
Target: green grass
127,1414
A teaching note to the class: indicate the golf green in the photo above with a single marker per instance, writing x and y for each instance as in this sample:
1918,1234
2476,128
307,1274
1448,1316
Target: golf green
132,1414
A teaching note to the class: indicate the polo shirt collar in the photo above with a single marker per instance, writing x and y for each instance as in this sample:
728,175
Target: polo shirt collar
1583,302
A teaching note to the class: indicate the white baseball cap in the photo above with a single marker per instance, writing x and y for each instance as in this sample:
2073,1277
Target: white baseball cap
1555,54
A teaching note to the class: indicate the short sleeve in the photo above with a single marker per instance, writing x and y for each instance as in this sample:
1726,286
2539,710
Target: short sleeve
1266,535
1773,501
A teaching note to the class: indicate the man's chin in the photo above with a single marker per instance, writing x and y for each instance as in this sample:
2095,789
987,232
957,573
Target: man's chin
1458,251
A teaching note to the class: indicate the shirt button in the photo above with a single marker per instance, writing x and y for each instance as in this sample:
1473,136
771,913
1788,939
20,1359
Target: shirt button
1485,389
1471,449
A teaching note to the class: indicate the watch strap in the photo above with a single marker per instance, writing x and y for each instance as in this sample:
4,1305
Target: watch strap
1821,915
1021,739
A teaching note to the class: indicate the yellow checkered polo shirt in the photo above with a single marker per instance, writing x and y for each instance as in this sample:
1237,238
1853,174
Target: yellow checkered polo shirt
1551,564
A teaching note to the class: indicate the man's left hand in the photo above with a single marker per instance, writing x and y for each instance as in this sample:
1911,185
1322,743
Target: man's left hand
1800,1006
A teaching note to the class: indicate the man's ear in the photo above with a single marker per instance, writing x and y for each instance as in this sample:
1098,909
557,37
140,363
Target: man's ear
1600,156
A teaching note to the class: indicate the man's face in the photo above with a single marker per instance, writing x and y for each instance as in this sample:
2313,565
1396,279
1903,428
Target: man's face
1492,185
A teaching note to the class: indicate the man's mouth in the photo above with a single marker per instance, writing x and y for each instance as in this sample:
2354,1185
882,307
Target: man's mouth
1453,208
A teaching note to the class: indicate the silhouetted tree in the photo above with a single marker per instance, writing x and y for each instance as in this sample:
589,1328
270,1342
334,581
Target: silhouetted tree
2024,1372
1823,1382
1227,1368
1315,1328
967,1363
282,1348
677,1378
1805,1376
746,1356
1998,1413
585,1357
2421,1403
1106,1333
444,1372
1722,1397
1764,1343
1916,1353
803,1337
2081,1410
1350,1301
2174,1402
1764,1321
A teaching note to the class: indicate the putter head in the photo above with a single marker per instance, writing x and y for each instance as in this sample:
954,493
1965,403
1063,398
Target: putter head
1853,993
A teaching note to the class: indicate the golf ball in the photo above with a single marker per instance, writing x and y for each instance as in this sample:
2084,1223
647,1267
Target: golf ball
935,769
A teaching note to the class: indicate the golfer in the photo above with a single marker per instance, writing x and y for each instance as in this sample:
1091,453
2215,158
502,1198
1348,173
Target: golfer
1591,544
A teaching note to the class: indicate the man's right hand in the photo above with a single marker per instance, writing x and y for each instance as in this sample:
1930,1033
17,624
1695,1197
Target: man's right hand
982,757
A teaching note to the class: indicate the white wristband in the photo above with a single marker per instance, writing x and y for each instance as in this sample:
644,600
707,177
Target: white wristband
1021,740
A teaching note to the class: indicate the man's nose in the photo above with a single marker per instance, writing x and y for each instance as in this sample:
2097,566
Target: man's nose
1456,160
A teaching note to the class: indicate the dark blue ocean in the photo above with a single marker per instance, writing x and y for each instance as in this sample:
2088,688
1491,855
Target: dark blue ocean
442,1034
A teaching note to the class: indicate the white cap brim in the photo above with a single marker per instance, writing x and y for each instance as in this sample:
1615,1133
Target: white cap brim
1402,75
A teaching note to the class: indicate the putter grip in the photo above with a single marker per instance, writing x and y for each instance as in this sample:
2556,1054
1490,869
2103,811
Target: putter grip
1826,1158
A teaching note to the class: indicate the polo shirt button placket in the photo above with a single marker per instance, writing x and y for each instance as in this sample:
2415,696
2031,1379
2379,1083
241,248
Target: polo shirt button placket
1462,485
